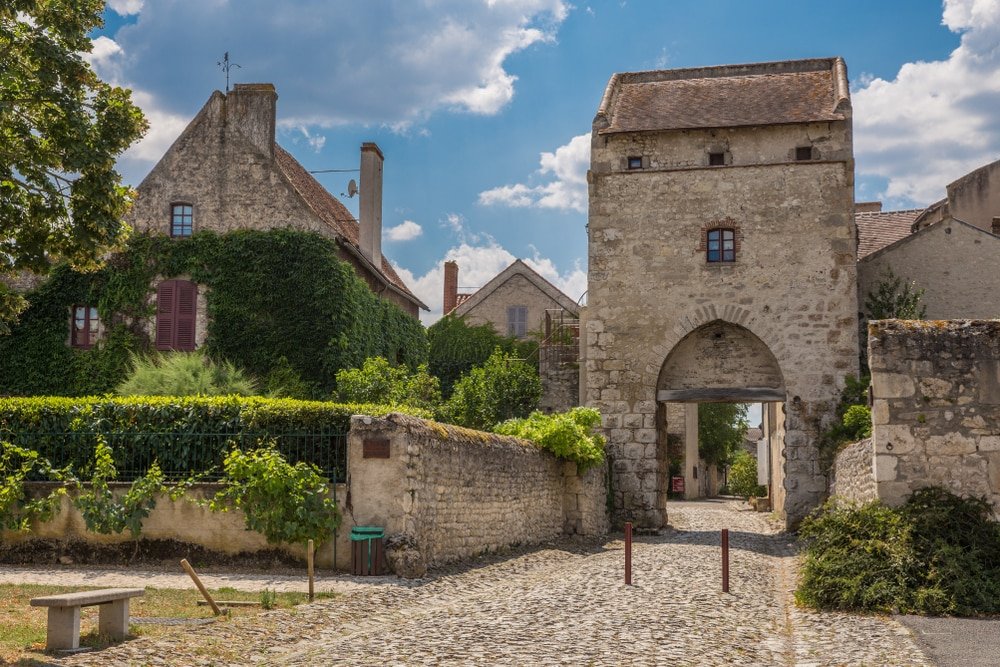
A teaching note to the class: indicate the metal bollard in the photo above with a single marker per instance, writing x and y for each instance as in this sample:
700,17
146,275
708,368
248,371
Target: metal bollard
725,560
628,553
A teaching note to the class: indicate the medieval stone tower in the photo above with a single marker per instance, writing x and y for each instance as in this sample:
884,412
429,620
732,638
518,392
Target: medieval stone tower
722,266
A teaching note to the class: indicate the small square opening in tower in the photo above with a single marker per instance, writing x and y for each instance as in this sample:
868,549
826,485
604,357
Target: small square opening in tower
803,153
635,162
716,159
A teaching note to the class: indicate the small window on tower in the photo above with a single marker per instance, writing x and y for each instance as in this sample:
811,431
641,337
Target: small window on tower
803,153
716,159
635,162
721,245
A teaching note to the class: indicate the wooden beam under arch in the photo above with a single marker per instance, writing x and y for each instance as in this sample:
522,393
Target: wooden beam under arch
722,395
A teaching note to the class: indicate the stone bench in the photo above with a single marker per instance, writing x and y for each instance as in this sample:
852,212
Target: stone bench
63,630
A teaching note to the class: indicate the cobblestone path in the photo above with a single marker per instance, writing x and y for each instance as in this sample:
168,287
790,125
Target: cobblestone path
563,605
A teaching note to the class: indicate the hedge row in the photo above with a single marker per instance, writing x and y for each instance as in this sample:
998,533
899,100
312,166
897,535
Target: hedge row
188,435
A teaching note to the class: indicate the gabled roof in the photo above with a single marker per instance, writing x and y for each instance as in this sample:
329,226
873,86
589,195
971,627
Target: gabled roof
876,230
795,91
923,231
329,209
518,268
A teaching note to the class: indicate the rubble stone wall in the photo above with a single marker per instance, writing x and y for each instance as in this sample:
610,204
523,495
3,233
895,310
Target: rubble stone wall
853,474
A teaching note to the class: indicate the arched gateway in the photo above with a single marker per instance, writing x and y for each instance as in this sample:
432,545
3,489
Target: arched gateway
722,266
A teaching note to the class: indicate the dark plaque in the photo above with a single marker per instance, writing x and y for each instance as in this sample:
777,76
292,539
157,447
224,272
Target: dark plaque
375,448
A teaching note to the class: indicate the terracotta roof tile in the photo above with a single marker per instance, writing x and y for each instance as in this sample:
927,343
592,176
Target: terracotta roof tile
331,211
728,96
877,230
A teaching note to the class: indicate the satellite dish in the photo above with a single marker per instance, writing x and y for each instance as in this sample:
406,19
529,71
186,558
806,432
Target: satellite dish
352,188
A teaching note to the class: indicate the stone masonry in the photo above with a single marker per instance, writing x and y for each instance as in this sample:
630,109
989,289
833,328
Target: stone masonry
936,406
853,474
790,294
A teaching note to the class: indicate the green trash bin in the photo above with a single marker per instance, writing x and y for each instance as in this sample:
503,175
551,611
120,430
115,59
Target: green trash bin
367,550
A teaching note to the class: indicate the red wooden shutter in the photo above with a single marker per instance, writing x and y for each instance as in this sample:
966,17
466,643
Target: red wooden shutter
166,297
187,295
176,302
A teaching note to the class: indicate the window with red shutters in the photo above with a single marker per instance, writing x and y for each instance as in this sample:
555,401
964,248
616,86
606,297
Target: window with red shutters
176,301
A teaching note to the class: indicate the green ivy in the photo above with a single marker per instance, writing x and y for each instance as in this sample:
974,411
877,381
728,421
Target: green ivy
455,348
568,435
272,296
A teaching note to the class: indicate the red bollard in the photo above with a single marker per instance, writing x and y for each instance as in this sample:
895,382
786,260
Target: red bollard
725,560
628,553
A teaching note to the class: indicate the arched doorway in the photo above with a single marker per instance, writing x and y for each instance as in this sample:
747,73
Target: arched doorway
718,362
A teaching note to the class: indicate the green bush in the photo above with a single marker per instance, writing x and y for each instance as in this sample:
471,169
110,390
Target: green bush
569,435
937,554
502,388
184,374
379,382
853,420
142,429
455,348
743,476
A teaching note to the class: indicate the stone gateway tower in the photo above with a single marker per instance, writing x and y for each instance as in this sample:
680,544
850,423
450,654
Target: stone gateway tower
722,253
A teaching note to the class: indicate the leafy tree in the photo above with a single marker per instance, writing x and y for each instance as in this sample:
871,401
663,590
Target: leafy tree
457,347
61,129
895,298
721,427
504,387
184,374
743,476
377,381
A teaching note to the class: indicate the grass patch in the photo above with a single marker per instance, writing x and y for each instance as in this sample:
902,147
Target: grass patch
22,627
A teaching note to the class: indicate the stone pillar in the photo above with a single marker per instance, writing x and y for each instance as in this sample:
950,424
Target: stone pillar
450,287
690,450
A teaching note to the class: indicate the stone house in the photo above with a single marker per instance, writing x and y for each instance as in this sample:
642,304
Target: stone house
722,267
939,247
226,172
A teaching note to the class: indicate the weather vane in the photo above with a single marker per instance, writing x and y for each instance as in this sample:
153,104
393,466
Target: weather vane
226,66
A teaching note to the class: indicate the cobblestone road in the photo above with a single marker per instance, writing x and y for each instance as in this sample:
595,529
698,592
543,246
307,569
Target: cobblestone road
563,605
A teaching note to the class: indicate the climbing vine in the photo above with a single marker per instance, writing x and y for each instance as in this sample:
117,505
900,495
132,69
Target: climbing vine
276,299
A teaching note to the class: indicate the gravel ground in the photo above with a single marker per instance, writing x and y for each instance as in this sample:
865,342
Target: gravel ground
562,604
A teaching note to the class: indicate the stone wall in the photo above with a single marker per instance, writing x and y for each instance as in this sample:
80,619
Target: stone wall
560,388
515,291
460,493
793,286
936,406
853,474
937,259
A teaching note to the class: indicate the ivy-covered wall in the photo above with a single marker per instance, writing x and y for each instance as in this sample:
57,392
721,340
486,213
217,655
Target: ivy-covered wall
271,294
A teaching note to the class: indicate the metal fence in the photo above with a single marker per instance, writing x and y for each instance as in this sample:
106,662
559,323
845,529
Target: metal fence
183,454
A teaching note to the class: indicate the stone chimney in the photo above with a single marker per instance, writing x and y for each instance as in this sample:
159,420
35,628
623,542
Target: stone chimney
250,111
450,286
868,207
371,202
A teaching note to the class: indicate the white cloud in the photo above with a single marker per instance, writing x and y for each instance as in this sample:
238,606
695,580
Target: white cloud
315,141
567,191
477,265
405,231
125,7
103,51
936,120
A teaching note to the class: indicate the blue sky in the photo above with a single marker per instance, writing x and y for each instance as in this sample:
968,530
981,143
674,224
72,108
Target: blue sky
482,108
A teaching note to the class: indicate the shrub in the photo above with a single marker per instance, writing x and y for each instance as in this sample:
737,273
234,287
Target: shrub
283,381
853,420
18,511
455,348
937,554
502,388
184,374
858,422
743,476
379,382
284,502
569,435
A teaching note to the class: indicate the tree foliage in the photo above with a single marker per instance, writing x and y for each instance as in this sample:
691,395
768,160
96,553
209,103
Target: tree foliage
184,374
455,348
895,298
502,388
743,476
377,381
721,427
61,129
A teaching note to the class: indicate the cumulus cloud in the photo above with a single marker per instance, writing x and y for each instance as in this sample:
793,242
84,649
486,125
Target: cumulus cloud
935,120
125,7
566,190
477,265
315,141
405,231
103,51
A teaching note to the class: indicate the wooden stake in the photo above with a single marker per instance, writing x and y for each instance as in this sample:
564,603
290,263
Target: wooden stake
310,551
201,587
628,553
725,560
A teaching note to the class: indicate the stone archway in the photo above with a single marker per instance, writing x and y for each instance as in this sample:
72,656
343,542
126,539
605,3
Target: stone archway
716,362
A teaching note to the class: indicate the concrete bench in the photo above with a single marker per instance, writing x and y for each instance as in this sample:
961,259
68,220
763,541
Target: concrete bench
63,630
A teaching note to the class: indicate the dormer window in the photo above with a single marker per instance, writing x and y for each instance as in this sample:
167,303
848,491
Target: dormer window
803,153
716,159
181,220
720,245
635,162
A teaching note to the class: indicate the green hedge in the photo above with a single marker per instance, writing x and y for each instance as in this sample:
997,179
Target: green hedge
181,433
271,295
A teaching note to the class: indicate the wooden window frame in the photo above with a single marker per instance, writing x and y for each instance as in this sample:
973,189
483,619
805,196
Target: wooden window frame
513,321
85,337
182,221
723,236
